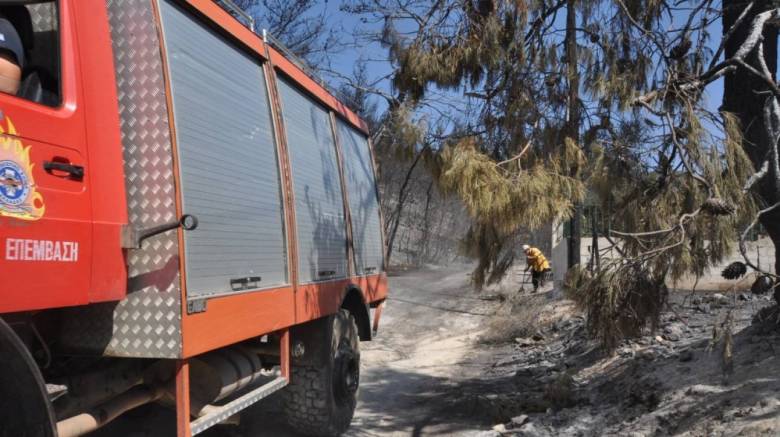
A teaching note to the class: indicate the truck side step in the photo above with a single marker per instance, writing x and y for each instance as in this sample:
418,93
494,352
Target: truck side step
219,414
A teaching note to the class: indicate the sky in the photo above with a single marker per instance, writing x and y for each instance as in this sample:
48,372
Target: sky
373,54
345,60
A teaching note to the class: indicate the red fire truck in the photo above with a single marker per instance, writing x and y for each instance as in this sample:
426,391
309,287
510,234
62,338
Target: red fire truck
187,217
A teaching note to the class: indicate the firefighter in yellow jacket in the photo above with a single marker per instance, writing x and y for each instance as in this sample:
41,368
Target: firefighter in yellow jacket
537,263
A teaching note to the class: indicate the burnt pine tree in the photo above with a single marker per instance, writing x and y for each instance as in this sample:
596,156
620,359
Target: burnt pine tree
746,95
513,155
573,122
716,175
672,176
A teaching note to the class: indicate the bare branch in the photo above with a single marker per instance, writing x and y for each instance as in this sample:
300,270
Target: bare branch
516,157
756,176
746,232
728,35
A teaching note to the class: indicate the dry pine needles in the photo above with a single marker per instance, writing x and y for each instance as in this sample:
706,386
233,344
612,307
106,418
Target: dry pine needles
621,300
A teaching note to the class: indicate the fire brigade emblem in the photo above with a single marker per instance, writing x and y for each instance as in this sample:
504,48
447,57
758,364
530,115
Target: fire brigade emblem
19,197
13,184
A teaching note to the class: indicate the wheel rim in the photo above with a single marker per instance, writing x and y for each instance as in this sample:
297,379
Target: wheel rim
347,373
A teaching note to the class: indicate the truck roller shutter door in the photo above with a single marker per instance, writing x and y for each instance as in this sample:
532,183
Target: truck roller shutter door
319,204
227,160
363,202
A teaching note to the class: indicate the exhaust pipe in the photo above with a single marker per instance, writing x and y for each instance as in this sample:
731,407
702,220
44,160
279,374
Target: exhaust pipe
213,377
221,373
97,417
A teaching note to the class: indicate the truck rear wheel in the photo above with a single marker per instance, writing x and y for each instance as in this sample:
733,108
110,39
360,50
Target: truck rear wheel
322,395
25,410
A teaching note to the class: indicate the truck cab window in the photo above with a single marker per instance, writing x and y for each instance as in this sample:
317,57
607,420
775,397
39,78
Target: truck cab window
29,52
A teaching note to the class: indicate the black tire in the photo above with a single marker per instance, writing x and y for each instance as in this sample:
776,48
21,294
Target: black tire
25,410
777,295
322,395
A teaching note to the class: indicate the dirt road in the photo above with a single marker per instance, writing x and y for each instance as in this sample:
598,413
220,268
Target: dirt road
425,350
412,371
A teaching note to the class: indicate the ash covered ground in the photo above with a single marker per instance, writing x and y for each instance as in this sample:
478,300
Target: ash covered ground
453,361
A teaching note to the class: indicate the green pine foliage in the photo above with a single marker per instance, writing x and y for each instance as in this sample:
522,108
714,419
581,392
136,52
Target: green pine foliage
503,198
511,198
667,174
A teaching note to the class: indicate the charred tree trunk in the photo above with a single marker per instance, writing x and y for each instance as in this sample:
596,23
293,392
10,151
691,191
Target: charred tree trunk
744,94
595,258
403,193
425,239
573,123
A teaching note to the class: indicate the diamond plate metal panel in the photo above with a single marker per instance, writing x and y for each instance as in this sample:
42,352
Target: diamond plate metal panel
45,50
148,322
43,16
